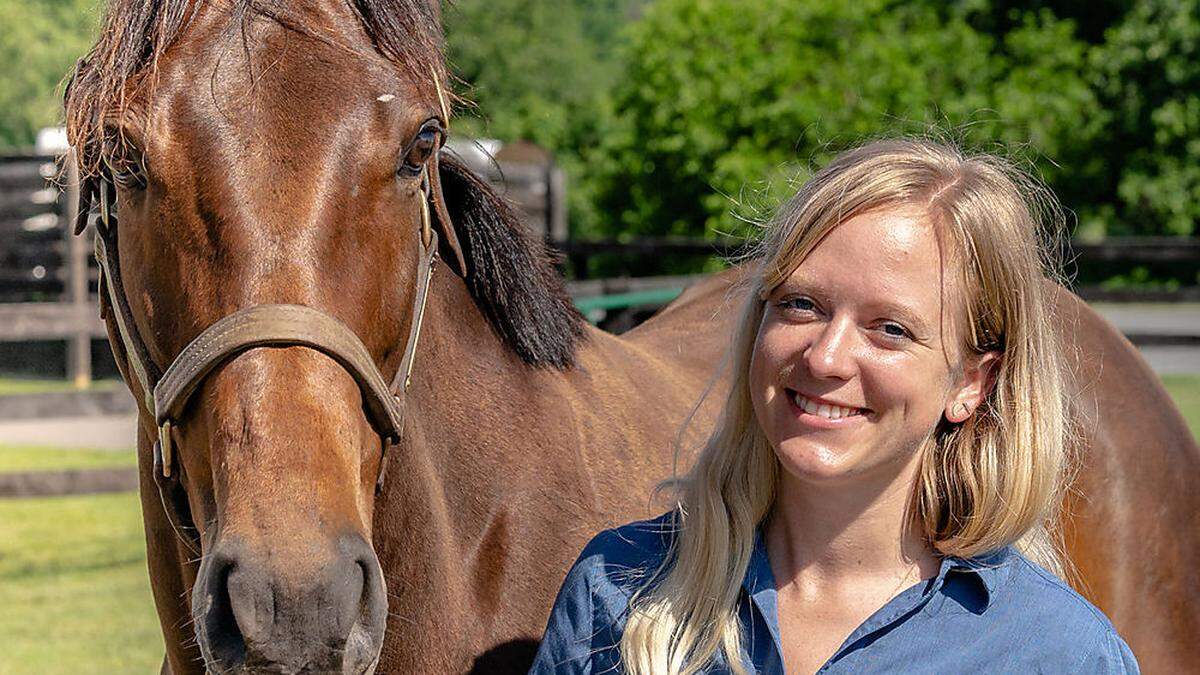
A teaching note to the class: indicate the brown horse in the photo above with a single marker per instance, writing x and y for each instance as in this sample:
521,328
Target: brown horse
235,133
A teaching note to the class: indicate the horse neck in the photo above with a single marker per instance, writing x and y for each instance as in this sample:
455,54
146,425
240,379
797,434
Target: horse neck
482,452
507,470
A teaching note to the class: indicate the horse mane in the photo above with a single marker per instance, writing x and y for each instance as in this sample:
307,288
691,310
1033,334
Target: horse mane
511,277
136,33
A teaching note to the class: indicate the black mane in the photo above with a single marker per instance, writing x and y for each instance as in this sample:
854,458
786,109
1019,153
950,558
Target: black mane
512,277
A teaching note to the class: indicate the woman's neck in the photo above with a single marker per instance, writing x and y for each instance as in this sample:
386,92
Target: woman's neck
826,534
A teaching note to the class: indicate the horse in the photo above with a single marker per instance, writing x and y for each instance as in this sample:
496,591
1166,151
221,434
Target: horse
373,431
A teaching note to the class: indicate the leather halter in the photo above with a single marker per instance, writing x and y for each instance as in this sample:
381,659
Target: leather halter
167,392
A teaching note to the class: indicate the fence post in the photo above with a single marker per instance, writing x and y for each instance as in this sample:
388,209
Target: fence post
556,221
79,345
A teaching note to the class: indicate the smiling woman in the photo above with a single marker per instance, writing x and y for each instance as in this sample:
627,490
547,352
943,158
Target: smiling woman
879,491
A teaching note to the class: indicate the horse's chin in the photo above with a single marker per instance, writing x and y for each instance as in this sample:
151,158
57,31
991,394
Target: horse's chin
359,657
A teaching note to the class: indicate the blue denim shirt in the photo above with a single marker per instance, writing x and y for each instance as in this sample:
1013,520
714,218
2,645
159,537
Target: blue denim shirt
997,614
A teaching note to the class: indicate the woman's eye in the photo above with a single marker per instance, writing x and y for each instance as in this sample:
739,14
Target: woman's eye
895,330
802,304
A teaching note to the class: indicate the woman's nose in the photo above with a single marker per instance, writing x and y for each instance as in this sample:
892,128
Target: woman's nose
831,354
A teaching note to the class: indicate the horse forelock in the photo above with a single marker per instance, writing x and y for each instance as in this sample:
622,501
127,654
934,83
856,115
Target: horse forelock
135,34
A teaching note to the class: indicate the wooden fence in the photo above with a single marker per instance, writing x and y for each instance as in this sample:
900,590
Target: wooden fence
48,277
42,264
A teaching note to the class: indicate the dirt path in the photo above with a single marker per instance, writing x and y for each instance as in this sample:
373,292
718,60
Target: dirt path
106,432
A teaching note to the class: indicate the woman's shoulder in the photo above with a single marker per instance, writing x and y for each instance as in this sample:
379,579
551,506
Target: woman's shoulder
1040,590
624,557
588,617
1060,616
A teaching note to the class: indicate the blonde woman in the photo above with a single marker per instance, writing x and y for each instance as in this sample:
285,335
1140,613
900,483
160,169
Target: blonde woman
877,492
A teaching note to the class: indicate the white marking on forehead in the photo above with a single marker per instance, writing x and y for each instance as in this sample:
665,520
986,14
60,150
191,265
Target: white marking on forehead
385,98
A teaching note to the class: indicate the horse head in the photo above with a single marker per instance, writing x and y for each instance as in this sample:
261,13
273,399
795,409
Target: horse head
274,171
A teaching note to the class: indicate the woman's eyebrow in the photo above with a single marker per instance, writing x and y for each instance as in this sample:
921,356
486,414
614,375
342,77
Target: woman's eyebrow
904,314
794,285
896,310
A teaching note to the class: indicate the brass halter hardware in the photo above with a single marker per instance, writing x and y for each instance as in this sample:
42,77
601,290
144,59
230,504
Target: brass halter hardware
164,446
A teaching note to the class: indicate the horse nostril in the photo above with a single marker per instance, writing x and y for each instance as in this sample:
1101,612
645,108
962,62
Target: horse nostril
366,632
324,614
372,600
226,643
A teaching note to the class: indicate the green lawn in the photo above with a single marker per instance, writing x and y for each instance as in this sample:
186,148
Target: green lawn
74,593
36,458
74,588
1185,389
20,385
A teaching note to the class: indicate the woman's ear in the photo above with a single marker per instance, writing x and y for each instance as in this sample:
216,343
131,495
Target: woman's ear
978,377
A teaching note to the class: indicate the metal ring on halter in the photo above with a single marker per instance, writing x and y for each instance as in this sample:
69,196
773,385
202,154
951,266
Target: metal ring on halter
104,206
426,223
164,442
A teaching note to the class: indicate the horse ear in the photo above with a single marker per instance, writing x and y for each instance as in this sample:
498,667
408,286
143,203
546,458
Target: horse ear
445,221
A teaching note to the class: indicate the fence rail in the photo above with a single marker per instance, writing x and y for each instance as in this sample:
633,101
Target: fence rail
48,279
1132,250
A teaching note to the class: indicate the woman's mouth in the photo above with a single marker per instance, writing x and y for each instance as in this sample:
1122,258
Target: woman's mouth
817,410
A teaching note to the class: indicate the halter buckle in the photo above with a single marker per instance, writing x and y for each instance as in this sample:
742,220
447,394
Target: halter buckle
426,219
164,442
105,206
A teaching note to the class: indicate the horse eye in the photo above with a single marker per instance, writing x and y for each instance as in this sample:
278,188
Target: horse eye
127,173
418,152
132,176
123,158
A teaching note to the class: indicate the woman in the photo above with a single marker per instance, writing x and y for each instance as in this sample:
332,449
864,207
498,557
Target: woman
878,492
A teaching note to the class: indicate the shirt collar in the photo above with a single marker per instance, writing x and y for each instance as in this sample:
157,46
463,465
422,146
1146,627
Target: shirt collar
759,584
988,571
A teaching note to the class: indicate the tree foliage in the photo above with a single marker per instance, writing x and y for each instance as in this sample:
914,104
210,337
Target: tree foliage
1148,75
724,100
39,43
680,116
539,70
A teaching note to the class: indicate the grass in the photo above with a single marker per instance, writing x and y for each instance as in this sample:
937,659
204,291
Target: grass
1185,389
20,385
74,587
36,458
74,592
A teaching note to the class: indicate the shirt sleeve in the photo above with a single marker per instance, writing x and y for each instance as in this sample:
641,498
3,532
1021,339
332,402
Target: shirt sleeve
566,647
1110,656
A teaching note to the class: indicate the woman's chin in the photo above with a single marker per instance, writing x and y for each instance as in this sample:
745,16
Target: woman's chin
809,463
823,465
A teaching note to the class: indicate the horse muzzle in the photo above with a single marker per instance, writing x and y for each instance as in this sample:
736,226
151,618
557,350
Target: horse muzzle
258,611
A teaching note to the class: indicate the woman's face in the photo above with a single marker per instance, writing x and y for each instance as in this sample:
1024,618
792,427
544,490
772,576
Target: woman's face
850,372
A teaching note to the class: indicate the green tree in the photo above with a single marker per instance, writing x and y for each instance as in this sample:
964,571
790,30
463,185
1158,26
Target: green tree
540,70
724,100
1148,74
39,43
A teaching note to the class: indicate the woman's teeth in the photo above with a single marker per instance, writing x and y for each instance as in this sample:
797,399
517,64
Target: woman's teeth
833,412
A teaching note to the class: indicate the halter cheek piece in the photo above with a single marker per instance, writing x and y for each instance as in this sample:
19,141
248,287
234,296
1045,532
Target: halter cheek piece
280,325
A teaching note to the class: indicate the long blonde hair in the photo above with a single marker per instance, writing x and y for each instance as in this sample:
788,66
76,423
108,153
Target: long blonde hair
991,481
